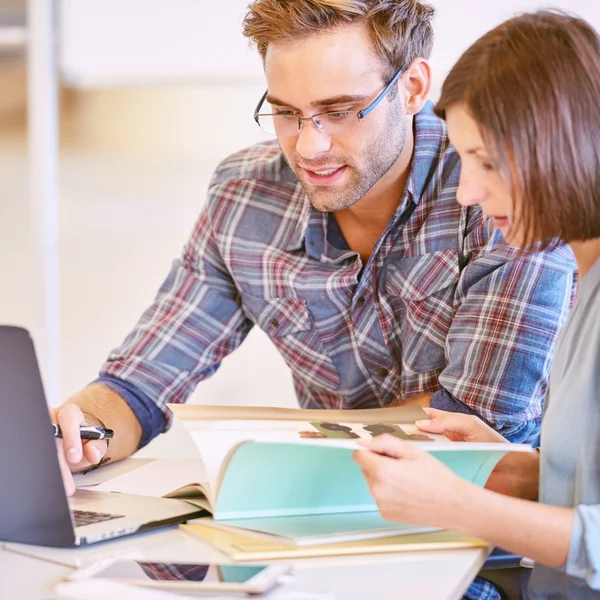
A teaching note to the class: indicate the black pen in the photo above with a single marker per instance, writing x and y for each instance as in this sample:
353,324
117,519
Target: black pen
87,432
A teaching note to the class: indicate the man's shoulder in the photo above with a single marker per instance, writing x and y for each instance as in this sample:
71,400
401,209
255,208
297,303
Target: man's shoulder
486,245
254,195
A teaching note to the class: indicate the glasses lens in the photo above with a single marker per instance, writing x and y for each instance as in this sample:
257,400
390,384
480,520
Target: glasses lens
267,124
286,125
337,122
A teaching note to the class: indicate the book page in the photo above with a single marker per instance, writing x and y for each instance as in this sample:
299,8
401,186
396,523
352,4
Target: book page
188,413
215,439
158,478
219,442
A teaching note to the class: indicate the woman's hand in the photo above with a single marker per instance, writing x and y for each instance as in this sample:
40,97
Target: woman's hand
410,485
517,474
459,427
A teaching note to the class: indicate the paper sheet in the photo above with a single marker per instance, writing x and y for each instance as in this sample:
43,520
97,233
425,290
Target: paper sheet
157,478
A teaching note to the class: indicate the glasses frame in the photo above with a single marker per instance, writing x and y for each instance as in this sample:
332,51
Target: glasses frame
361,114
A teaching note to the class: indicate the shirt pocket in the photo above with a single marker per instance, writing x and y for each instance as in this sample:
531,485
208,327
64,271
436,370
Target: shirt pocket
421,292
289,324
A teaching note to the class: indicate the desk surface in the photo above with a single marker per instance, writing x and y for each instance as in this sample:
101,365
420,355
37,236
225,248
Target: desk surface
30,572
425,575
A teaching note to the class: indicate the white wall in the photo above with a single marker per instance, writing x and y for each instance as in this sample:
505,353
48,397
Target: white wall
136,163
460,22
108,42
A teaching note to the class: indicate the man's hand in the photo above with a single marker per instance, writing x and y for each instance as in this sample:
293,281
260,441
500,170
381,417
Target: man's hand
75,454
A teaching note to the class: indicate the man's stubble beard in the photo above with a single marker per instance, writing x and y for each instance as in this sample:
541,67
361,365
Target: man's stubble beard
378,156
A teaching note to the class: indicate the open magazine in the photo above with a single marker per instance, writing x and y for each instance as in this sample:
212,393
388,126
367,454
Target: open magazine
288,474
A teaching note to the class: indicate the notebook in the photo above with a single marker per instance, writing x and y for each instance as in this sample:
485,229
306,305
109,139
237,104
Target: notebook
246,548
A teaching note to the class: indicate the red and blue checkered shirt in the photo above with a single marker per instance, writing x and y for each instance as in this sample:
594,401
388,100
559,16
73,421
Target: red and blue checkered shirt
442,306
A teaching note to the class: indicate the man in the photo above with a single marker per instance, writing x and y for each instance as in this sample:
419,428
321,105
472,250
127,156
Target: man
343,240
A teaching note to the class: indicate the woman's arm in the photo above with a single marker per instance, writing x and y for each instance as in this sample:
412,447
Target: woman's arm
538,531
411,486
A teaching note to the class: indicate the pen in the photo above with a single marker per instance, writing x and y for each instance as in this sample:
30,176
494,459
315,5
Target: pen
87,432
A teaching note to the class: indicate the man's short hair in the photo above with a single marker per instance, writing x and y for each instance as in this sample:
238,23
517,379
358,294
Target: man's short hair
401,30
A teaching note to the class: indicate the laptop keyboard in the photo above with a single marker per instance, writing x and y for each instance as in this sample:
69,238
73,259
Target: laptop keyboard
87,517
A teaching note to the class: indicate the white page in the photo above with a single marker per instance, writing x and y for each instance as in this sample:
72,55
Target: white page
108,472
158,477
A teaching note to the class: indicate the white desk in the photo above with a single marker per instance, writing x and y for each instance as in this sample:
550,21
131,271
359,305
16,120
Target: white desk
420,575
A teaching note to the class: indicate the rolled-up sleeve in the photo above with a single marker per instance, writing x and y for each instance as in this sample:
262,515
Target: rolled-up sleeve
584,552
509,310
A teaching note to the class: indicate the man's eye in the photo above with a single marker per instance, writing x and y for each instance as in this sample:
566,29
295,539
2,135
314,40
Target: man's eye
284,113
338,116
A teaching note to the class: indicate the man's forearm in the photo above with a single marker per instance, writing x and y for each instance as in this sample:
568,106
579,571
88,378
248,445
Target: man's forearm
422,400
103,406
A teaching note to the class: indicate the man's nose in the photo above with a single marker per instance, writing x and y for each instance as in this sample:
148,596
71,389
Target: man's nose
311,141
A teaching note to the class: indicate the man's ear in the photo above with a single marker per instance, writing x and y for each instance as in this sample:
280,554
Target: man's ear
417,85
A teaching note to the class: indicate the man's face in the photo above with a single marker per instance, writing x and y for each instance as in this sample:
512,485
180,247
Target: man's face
335,72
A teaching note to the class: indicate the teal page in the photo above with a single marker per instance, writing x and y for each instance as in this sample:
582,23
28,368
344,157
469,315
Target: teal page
284,479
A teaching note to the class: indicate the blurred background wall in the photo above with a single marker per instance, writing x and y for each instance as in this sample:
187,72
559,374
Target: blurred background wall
135,161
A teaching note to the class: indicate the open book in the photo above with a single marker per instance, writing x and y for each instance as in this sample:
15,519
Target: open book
287,475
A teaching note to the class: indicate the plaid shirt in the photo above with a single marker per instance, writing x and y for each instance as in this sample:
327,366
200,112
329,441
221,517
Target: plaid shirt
442,306
174,571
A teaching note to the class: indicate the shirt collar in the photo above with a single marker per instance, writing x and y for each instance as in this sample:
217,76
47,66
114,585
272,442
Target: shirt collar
312,235
430,144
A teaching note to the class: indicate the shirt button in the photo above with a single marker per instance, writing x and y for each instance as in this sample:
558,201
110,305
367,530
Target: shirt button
274,323
360,302
382,372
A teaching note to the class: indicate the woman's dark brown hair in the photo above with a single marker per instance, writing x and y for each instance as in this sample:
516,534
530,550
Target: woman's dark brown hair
533,86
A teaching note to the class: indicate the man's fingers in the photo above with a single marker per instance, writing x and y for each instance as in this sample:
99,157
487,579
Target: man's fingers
70,418
94,451
67,477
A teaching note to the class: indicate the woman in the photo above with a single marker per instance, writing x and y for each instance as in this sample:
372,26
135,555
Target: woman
522,107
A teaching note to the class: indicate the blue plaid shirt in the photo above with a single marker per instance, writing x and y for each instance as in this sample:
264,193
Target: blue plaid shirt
442,306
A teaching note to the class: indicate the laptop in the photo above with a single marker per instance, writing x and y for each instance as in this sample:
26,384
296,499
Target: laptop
33,503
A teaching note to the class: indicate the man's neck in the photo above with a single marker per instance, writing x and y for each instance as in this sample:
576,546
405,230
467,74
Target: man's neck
363,223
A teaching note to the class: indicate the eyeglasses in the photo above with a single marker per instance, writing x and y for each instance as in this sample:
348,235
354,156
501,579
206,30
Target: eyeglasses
285,123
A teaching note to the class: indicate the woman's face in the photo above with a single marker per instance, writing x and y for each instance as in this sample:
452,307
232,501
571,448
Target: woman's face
480,181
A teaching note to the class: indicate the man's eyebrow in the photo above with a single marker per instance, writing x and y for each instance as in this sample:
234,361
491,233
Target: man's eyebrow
333,101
